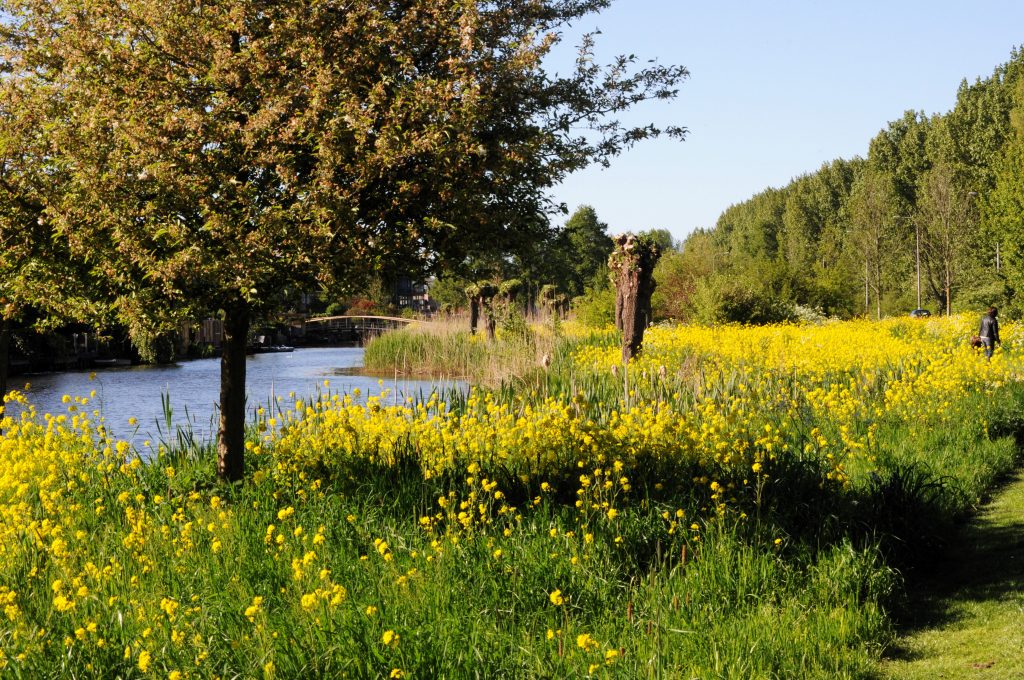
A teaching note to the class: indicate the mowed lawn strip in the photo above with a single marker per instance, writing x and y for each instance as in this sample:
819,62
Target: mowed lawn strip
969,617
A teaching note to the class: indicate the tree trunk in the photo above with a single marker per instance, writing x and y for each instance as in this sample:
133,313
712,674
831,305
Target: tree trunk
474,314
878,290
632,329
618,307
491,323
949,287
487,302
231,436
632,264
5,354
867,290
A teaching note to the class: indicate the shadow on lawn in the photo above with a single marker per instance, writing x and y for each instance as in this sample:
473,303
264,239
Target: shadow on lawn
984,563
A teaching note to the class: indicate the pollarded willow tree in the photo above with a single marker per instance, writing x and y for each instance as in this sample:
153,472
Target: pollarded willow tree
219,151
631,269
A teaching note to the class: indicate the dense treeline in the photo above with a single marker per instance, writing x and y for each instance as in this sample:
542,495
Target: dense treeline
937,207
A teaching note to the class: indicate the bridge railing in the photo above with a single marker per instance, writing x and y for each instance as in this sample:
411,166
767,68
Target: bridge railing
355,328
396,319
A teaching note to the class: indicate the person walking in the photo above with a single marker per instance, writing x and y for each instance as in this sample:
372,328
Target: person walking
989,333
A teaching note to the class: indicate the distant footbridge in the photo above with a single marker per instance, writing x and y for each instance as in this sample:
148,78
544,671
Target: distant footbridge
332,329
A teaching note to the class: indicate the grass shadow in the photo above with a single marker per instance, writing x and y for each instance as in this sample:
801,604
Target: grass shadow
983,563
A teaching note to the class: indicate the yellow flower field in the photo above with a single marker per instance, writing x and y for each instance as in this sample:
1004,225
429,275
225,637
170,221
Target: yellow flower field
365,530
725,399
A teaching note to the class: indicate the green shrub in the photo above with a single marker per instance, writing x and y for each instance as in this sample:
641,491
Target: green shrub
596,307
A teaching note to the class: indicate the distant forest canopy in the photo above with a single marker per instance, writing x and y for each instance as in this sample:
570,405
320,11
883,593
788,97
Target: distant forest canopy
939,197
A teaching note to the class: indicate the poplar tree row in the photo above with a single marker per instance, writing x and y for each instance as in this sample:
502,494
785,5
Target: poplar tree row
939,200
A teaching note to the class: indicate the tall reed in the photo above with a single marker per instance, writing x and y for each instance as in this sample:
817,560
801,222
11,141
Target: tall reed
446,349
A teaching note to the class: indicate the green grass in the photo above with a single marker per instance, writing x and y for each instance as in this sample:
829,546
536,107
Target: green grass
461,609
728,601
966,620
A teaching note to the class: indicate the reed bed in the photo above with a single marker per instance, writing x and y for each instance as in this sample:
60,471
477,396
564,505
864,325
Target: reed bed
445,349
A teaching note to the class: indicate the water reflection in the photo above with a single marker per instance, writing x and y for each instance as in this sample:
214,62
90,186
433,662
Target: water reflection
194,388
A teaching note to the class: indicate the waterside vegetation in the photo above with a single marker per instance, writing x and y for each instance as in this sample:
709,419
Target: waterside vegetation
446,349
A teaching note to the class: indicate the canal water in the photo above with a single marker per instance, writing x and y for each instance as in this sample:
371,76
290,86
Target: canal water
193,389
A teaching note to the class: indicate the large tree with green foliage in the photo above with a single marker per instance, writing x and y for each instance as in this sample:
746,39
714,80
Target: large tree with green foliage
679,273
948,221
40,284
217,152
871,221
585,245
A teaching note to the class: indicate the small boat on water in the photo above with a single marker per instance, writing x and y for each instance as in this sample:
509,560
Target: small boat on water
111,362
270,349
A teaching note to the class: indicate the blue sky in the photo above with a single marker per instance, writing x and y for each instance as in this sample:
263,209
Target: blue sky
775,90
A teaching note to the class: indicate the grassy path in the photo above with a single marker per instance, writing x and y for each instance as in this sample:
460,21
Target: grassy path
968,619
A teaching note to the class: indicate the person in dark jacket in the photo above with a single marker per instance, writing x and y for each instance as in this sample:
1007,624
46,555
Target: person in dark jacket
989,332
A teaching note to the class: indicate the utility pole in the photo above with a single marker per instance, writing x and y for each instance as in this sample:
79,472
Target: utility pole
917,254
917,239
867,295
